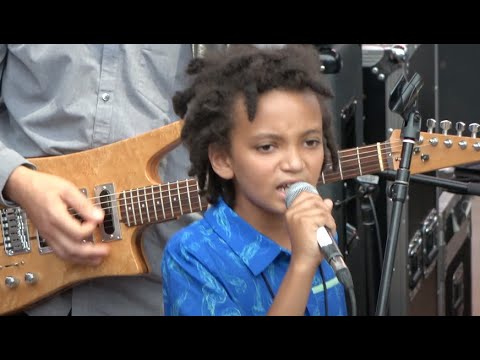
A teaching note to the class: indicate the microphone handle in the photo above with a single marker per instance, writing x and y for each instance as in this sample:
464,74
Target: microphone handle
331,252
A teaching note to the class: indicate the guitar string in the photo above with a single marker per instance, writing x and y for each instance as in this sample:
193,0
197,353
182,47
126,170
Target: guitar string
327,175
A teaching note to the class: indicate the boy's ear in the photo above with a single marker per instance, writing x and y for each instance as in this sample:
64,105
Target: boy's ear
220,161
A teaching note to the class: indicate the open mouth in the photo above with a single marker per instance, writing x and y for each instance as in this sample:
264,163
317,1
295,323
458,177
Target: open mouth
283,188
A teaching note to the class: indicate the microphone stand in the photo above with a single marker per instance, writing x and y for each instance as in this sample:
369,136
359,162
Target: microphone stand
402,100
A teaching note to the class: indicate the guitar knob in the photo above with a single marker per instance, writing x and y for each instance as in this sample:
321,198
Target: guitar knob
460,126
473,127
31,278
431,125
11,282
445,125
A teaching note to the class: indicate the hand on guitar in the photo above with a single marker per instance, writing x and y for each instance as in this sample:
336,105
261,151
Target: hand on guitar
46,199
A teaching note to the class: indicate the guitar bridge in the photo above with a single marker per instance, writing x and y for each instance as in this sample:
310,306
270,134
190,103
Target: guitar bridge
106,198
15,231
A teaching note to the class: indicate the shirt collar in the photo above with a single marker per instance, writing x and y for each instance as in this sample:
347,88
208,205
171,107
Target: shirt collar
255,249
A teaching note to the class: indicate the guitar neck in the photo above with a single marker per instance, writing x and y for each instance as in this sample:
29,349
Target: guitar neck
358,161
157,203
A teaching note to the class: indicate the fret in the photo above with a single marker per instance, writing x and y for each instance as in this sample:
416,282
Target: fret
139,207
184,195
170,197
161,199
198,194
387,155
145,203
340,164
127,215
359,164
350,161
153,201
379,156
179,198
188,194
133,208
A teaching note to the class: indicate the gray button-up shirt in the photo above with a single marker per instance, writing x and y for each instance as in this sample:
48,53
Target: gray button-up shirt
58,99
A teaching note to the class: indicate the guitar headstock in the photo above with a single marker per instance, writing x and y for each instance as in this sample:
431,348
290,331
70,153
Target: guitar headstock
436,151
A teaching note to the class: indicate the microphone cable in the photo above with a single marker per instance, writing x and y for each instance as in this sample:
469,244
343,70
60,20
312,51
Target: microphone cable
325,295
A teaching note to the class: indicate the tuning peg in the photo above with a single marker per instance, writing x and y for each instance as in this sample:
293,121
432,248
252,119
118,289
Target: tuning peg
445,125
431,125
473,127
460,126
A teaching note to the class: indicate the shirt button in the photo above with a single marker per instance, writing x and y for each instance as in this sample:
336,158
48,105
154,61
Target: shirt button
105,97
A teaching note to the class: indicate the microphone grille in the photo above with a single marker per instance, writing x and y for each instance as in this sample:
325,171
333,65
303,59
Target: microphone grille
295,189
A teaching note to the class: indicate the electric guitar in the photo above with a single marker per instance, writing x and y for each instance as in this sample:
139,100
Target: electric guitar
132,196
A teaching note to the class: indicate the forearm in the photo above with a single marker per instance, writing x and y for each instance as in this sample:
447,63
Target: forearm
292,297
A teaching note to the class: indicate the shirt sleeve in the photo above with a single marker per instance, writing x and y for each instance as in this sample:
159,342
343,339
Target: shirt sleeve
9,159
191,289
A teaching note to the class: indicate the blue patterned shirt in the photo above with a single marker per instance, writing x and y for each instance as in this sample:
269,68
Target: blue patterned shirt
215,265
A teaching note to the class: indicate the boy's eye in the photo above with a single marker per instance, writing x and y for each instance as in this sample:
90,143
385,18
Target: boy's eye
265,148
312,143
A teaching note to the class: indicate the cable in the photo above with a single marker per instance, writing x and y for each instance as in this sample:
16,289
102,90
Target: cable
377,227
353,301
345,277
325,295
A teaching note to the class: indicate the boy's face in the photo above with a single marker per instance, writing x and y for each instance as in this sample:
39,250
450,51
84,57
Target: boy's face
283,145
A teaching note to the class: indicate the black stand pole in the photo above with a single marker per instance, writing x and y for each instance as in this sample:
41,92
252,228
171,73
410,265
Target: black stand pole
369,232
402,100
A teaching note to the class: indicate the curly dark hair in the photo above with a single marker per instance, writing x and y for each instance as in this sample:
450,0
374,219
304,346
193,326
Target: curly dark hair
219,77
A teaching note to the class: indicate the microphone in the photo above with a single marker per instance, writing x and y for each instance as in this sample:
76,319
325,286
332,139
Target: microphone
325,241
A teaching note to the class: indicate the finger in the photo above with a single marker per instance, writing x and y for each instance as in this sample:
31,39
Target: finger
82,205
66,239
81,253
329,204
330,223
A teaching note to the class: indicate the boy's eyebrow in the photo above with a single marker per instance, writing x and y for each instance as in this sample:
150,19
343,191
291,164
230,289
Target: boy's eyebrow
276,136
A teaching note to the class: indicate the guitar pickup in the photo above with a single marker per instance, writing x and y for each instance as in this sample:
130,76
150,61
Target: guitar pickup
107,199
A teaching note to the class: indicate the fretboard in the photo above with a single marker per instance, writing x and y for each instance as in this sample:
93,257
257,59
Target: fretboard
157,203
358,161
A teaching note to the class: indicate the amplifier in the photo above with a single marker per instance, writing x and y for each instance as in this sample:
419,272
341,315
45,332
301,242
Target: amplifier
455,280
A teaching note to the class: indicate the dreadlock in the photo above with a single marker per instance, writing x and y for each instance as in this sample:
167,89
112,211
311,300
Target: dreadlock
247,70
